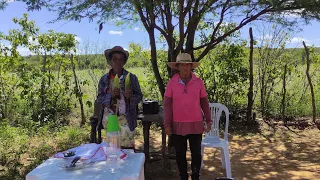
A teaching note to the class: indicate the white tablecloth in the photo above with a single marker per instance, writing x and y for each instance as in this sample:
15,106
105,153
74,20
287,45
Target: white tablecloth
132,168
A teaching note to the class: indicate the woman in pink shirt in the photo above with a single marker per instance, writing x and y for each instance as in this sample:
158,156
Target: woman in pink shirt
185,103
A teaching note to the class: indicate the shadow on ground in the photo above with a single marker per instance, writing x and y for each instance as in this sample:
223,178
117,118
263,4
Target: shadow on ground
282,155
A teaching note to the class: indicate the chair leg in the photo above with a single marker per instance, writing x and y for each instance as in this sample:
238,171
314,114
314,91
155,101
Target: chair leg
227,162
202,154
223,160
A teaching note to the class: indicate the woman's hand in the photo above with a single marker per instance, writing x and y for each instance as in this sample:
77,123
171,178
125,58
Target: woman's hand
168,130
128,93
116,92
208,128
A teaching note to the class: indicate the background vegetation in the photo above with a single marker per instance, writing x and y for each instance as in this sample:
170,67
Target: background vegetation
41,94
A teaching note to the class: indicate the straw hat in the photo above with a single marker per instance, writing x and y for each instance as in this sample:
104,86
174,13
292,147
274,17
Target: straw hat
183,58
108,53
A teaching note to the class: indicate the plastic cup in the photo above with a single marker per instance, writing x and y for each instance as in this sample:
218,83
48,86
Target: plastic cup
112,124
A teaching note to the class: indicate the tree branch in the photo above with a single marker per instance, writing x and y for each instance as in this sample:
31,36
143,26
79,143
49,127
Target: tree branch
194,20
142,17
171,41
224,9
181,26
206,6
162,18
216,41
163,32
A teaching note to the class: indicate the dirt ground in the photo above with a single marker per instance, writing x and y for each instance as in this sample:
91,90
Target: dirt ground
278,155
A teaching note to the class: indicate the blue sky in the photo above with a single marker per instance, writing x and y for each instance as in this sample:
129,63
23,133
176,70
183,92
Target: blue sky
113,35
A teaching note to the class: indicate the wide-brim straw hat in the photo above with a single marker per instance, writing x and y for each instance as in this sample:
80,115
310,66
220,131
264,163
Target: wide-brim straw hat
108,53
183,58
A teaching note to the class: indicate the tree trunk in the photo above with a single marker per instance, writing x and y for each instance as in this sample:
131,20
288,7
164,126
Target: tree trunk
283,102
42,90
250,92
78,92
3,110
154,62
311,86
262,95
171,57
43,79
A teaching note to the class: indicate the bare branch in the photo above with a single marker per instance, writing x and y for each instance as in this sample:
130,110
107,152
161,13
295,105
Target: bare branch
162,18
181,26
163,32
224,9
142,17
194,20
216,41
206,6
170,28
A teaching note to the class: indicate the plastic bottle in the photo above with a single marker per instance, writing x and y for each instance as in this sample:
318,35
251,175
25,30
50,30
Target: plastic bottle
113,132
113,140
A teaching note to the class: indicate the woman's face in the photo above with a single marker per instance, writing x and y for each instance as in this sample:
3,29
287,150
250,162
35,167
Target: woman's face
184,69
117,61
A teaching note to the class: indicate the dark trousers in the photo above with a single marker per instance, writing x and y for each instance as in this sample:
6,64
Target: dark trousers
180,143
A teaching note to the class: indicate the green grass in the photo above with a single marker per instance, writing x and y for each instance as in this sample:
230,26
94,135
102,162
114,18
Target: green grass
22,150
40,145
298,91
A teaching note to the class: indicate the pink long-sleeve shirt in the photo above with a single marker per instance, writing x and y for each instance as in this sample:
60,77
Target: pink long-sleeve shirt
185,105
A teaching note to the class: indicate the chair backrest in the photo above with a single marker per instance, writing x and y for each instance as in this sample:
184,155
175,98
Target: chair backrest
216,111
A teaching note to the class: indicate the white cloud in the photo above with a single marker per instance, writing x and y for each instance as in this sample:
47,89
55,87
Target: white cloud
77,38
116,19
116,32
299,40
136,28
24,51
265,37
290,15
293,14
4,42
9,1
33,41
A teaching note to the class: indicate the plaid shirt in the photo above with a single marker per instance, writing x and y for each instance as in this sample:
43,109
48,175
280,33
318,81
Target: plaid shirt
104,98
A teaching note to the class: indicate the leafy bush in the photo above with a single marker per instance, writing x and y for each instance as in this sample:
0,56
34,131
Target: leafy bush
13,144
22,151
225,74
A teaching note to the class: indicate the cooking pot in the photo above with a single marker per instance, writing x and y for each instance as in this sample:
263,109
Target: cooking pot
150,107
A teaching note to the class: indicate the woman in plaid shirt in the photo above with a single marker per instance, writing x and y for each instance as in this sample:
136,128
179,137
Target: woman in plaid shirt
129,97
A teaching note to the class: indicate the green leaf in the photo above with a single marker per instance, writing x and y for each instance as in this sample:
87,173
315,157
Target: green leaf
89,104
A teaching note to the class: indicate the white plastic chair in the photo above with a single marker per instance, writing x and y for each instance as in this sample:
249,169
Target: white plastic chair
212,139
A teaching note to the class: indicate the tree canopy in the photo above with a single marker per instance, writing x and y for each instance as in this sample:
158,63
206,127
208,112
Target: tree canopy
193,26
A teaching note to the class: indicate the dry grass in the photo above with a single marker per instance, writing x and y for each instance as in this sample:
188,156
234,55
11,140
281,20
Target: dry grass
279,155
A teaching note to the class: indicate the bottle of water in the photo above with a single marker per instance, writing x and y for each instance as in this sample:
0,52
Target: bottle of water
113,131
113,157
113,139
